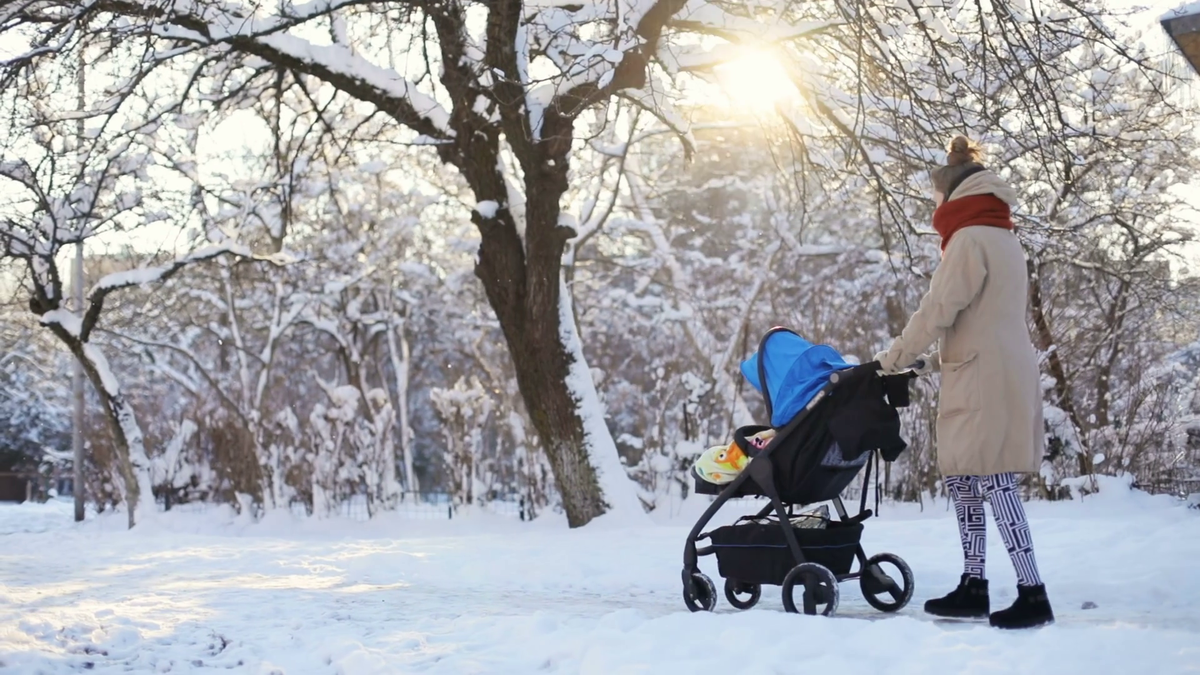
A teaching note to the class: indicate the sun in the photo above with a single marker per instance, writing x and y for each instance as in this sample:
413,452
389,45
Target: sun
755,81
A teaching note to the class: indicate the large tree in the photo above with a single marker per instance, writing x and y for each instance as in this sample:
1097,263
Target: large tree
496,88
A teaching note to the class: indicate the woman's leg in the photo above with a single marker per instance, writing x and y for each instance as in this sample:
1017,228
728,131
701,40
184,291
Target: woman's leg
1032,606
1001,490
972,527
970,599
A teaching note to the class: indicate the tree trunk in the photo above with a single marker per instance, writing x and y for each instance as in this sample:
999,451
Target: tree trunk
543,365
399,355
520,264
132,462
523,281
1062,386
1114,323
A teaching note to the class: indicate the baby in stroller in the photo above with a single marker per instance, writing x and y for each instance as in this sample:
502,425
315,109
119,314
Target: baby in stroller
720,464
828,418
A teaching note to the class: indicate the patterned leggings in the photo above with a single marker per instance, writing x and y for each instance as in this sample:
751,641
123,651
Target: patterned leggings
1000,490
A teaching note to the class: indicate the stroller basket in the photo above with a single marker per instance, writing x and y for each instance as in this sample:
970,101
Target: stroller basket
756,552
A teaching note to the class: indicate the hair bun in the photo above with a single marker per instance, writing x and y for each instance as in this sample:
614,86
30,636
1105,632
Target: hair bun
963,151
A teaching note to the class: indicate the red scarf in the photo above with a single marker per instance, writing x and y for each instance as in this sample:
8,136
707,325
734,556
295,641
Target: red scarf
988,210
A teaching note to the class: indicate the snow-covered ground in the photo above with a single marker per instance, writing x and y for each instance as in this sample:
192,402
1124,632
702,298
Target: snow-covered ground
486,594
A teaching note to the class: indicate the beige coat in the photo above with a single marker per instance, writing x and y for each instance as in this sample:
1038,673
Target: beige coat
990,409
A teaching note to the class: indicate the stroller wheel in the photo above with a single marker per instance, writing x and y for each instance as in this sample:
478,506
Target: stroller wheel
733,587
702,596
817,584
884,589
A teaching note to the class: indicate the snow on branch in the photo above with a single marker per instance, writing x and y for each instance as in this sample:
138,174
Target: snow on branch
147,275
625,64
68,320
37,48
699,16
266,38
185,380
660,107
351,73
21,172
112,386
621,64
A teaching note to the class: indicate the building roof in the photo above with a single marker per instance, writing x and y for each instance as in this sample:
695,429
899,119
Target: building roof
1186,10
1183,25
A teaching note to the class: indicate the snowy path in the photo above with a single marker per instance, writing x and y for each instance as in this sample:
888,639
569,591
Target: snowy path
488,595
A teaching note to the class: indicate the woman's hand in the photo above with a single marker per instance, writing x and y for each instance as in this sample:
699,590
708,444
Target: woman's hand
888,361
895,361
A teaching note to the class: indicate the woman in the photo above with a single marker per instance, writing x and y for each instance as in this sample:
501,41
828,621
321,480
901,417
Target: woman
989,425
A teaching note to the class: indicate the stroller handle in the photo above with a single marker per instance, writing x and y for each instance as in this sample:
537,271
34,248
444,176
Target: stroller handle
911,371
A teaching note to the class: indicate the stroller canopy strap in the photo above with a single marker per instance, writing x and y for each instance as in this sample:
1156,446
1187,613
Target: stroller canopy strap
789,371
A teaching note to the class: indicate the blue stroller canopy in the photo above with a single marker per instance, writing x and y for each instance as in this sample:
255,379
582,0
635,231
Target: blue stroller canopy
795,370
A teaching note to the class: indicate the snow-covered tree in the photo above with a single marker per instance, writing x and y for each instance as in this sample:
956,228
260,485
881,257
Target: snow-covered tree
68,185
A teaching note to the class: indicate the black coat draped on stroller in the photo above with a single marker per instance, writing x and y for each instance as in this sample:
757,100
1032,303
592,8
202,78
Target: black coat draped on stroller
830,419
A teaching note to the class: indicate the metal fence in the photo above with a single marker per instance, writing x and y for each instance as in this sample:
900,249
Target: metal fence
414,505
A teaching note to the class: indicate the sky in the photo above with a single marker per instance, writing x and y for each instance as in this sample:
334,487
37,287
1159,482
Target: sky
753,79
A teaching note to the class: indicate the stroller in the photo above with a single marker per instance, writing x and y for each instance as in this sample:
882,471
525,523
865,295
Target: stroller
831,418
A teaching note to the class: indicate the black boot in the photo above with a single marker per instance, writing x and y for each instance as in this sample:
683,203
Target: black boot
1031,609
968,601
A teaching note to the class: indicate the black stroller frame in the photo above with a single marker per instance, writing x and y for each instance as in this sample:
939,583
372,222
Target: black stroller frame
820,584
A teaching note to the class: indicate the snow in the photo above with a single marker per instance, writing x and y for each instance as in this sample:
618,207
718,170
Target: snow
1188,9
96,357
134,277
165,467
487,208
127,420
750,29
342,60
619,491
335,58
70,321
147,275
196,592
